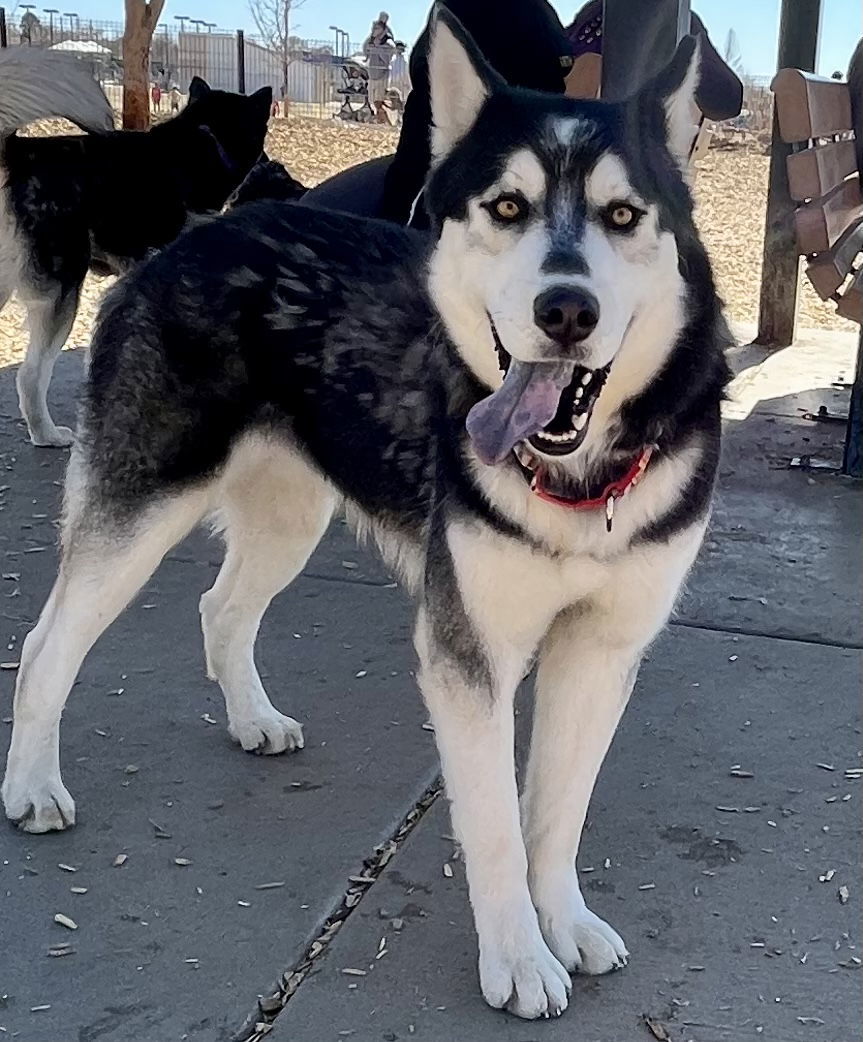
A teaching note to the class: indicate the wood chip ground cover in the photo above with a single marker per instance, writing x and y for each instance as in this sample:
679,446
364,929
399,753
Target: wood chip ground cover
730,191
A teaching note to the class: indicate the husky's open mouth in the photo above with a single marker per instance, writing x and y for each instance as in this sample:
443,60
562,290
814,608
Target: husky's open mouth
543,406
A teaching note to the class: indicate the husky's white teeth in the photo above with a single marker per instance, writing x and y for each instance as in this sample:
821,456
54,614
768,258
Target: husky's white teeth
588,376
579,393
557,439
579,422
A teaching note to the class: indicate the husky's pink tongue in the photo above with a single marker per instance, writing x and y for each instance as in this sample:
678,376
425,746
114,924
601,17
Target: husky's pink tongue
523,405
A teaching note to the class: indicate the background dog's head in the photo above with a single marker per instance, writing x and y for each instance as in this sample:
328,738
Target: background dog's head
268,179
559,224
219,136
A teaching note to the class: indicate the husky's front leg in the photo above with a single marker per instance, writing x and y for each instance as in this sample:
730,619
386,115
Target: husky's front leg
583,684
587,669
471,661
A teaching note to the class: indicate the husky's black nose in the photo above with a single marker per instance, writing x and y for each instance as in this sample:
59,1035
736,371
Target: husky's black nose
568,314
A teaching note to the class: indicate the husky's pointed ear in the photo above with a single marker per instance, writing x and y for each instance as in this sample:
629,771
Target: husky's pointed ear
460,80
676,86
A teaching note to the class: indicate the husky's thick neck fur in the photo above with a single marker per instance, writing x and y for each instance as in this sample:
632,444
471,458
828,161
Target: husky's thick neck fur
592,201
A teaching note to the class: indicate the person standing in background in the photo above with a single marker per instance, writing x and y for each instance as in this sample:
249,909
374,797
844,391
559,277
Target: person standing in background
400,78
156,95
379,52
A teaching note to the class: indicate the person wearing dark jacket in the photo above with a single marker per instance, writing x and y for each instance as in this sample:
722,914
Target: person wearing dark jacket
522,39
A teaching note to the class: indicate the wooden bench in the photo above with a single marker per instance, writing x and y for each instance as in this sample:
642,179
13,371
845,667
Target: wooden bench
814,116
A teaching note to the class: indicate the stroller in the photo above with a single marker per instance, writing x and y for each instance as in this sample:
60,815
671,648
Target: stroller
354,93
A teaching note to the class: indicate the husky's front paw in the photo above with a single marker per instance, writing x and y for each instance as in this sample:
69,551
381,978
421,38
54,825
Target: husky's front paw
43,807
581,940
518,972
270,733
53,437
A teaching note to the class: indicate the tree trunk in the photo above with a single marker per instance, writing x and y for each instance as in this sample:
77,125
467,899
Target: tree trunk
142,17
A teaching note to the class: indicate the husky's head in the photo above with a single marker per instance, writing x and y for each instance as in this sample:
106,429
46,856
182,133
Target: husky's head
558,261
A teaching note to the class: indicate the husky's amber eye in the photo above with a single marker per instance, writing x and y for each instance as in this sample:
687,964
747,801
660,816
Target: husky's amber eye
507,209
622,216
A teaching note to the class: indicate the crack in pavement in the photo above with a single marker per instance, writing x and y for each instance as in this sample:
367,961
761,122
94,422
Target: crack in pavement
743,631
260,1021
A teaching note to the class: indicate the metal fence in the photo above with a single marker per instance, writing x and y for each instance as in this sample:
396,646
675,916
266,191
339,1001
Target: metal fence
313,77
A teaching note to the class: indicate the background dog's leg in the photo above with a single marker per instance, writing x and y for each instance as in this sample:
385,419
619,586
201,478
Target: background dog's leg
50,320
474,639
101,570
274,514
588,665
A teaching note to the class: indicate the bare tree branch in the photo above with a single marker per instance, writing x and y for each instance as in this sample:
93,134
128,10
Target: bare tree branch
272,19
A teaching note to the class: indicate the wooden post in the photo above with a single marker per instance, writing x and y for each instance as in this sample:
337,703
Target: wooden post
799,23
241,61
142,16
4,42
638,39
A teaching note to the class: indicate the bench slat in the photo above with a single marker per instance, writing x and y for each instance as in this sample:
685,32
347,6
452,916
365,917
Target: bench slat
851,302
810,106
829,270
816,171
819,225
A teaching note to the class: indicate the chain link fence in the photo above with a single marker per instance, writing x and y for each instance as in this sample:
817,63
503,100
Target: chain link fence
315,78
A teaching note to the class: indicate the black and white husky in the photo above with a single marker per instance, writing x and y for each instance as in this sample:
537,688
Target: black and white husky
248,375
101,200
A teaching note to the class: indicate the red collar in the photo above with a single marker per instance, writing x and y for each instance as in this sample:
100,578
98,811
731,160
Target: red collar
614,490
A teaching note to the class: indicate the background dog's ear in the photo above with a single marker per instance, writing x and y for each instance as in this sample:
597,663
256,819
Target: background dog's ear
198,88
263,101
460,80
676,86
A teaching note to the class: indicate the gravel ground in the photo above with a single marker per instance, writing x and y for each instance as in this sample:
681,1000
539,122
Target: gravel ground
730,187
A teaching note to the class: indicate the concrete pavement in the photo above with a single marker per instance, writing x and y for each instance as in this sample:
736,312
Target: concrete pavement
733,932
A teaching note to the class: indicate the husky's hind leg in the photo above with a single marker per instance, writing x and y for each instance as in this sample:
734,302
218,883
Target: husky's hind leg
274,510
104,564
50,320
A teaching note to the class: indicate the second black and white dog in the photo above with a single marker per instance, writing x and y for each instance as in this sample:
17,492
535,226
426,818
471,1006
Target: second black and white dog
102,200
250,376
